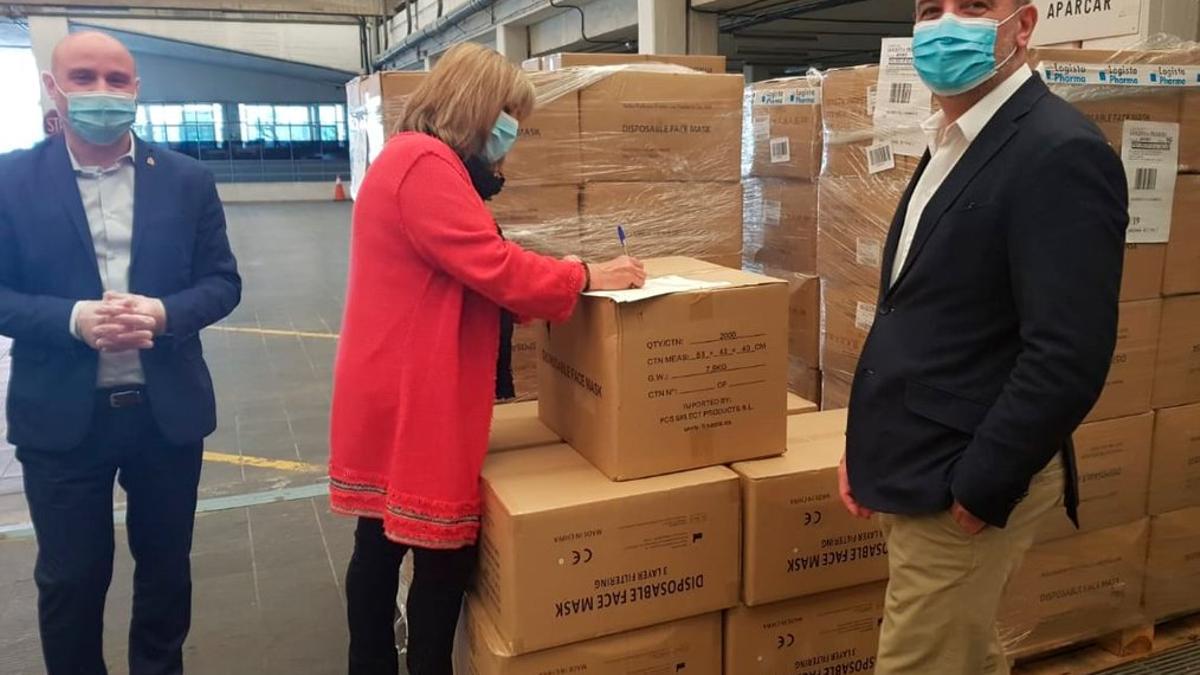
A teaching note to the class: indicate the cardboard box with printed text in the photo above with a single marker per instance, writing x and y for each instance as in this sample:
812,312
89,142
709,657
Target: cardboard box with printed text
1181,274
798,539
835,632
1113,461
1175,461
568,555
780,224
690,646
1130,381
785,134
1173,564
674,382
1177,376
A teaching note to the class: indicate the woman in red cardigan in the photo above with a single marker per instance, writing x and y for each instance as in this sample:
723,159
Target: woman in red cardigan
431,284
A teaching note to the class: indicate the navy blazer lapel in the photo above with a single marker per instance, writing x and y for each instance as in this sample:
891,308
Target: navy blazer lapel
893,238
991,140
146,184
64,183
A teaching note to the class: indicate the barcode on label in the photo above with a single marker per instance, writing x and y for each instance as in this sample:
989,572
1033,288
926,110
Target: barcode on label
864,316
1145,179
872,92
781,150
901,93
868,252
772,212
880,158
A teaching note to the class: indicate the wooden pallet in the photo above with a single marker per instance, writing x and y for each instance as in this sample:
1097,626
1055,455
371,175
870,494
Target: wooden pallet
1118,648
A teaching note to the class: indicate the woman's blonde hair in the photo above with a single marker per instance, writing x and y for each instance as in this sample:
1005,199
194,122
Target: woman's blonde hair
459,101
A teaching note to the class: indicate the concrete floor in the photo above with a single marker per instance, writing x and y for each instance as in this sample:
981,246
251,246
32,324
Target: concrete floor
268,556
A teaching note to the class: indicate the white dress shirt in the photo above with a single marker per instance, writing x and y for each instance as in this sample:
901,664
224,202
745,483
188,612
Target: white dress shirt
107,195
947,145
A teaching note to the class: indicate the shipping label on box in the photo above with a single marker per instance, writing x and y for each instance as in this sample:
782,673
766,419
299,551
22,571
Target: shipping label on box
903,101
1131,378
1175,464
1173,564
568,555
835,632
798,539
788,113
1113,461
1150,153
679,381
690,646
1074,589
1177,376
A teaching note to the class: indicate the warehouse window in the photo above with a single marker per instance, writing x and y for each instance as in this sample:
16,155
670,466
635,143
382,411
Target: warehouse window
181,122
22,107
296,123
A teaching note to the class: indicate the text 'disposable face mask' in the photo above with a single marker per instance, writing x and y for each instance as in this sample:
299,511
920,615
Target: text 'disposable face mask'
954,55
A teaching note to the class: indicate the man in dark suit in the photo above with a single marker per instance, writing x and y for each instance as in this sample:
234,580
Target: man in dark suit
994,331
113,257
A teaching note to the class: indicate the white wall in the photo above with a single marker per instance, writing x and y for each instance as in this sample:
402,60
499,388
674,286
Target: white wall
333,46
276,192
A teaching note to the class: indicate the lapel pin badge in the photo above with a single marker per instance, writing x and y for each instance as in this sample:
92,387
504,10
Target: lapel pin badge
150,161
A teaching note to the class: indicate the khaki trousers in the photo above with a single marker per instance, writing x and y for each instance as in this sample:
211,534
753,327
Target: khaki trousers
945,586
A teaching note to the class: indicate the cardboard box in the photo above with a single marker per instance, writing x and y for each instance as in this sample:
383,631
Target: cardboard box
525,359
1074,589
1111,106
797,538
701,62
1130,379
847,109
1113,460
780,224
652,126
816,427
785,136
516,426
1177,377
374,105
1173,564
544,219
804,314
1182,266
1175,462
847,315
532,64
804,379
690,646
834,632
800,406
1189,134
1142,278
567,555
835,389
854,216
700,220
675,382
547,151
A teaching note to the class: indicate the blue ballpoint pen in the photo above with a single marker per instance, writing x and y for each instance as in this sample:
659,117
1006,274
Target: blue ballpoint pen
621,237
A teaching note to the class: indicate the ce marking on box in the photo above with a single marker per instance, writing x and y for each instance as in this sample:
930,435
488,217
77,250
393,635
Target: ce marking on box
812,518
785,641
580,556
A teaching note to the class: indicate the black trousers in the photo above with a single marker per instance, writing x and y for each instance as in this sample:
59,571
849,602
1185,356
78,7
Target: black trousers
372,581
70,497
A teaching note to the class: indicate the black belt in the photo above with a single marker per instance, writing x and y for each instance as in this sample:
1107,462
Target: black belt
122,397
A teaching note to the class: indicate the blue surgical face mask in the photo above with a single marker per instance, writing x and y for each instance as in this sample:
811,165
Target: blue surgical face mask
504,134
954,55
100,117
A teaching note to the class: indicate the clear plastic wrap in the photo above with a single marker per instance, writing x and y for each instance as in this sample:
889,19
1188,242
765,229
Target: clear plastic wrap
1157,80
374,105
782,134
779,221
1076,589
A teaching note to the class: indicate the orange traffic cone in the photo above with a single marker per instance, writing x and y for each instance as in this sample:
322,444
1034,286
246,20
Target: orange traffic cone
339,191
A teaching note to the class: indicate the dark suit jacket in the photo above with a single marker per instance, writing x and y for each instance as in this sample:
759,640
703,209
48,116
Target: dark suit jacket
995,341
181,255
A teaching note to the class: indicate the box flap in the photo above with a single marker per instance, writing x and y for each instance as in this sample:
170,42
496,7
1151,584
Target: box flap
516,426
556,477
798,405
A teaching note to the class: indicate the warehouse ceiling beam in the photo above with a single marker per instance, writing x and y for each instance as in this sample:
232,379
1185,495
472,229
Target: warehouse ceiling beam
313,8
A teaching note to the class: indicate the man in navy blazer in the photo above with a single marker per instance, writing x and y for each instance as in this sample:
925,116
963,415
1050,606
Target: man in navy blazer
113,257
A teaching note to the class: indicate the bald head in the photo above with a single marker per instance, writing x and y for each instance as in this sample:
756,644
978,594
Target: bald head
92,61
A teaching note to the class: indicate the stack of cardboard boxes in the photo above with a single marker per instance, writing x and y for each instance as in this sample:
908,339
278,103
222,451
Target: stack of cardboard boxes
1137,554
651,147
781,159
618,553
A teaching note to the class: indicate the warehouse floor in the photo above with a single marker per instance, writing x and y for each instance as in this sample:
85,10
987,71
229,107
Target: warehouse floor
268,556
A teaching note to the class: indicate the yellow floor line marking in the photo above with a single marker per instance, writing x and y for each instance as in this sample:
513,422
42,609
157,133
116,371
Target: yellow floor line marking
273,332
263,462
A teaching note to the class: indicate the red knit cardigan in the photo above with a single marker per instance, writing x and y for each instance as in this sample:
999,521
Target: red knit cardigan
414,378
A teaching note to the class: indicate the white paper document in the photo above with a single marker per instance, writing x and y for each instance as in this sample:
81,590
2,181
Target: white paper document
1150,151
658,286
